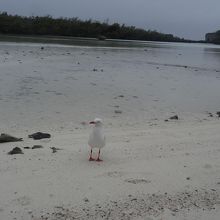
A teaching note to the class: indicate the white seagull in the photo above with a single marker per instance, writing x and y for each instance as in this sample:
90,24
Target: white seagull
96,138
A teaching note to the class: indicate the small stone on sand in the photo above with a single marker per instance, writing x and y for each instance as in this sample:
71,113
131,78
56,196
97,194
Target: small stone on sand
15,150
37,146
175,117
118,112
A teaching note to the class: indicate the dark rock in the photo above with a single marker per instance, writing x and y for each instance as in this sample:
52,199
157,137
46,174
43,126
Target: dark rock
27,148
175,117
39,135
54,149
166,120
118,112
15,150
37,147
86,200
210,114
8,138
42,48
218,114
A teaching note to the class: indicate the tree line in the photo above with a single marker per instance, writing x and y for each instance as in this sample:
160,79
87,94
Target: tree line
213,37
47,25
217,37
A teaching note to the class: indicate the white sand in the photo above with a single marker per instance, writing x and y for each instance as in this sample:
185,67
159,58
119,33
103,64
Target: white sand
151,170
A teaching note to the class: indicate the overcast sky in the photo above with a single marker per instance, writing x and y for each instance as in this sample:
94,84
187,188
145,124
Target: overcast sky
184,18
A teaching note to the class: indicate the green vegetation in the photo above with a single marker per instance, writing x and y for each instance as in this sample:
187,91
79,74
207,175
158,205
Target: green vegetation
217,40
213,37
74,27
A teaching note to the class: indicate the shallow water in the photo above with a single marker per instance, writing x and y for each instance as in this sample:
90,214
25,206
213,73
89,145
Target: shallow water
81,81
192,54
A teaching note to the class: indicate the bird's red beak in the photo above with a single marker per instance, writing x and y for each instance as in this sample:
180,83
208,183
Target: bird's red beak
91,122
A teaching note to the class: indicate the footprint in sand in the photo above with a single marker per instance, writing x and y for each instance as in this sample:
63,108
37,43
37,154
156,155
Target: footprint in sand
137,181
115,174
208,166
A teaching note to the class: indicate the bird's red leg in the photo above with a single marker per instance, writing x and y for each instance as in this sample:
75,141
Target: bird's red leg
90,158
98,159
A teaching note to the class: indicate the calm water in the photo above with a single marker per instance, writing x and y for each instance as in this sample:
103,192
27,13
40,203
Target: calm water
58,83
199,55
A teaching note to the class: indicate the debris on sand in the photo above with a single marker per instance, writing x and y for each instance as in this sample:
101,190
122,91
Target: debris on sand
121,96
137,181
210,114
8,138
175,117
118,111
86,199
39,135
54,149
15,150
37,147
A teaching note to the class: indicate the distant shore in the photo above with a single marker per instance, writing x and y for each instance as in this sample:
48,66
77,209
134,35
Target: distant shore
47,25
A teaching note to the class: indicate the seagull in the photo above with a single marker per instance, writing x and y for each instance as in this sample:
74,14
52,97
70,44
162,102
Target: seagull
96,138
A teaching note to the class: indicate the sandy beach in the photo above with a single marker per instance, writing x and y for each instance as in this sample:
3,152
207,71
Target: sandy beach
154,168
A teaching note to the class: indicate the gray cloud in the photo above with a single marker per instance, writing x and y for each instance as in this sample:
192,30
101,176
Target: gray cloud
188,18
